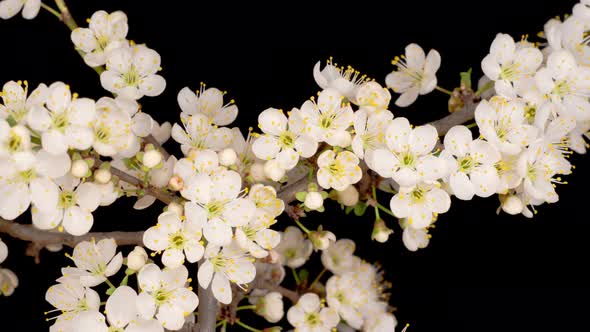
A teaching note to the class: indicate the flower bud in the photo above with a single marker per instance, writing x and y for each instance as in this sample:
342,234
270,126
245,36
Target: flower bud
273,170
151,158
314,200
55,247
102,176
79,168
257,172
273,329
380,231
271,307
321,240
348,196
227,157
175,183
344,140
176,208
512,205
137,258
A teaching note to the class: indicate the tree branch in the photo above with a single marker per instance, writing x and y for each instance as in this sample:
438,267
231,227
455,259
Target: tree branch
40,237
467,113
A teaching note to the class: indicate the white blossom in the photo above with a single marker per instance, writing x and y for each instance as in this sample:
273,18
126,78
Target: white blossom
339,258
471,164
369,129
105,33
420,204
509,62
9,8
200,134
294,250
95,261
371,97
131,72
415,74
165,296
415,238
16,103
284,138
329,118
408,157
70,298
308,315
344,80
222,266
176,238
338,170
8,282
208,102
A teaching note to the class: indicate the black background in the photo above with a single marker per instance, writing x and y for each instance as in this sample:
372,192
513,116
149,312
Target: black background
481,272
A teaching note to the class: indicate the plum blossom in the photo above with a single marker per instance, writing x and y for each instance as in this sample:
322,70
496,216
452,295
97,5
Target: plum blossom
415,74
105,33
284,138
308,315
294,249
95,261
200,134
329,118
208,102
344,80
16,103
29,8
131,72
420,204
338,170
176,238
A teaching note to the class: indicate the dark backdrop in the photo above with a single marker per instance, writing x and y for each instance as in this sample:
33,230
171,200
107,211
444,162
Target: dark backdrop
481,271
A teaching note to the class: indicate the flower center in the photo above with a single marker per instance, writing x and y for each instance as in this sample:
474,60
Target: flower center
408,159
177,240
66,199
59,122
312,319
28,175
531,172
561,88
131,78
465,164
14,142
215,208
418,196
509,72
103,42
250,232
162,296
335,168
287,139
290,253
102,134
326,121
219,262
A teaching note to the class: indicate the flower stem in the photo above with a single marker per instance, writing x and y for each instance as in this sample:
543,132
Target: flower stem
484,88
221,323
246,307
443,90
471,125
247,327
384,209
296,276
375,199
317,278
303,228
51,10
110,283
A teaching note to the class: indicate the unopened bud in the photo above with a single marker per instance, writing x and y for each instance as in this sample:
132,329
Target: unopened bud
151,158
273,170
348,196
137,258
380,231
273,329
271,307
102,175
344,140
257,172
321,240
175,183
176,208
227,157
314,200
55,247
79,168
512,205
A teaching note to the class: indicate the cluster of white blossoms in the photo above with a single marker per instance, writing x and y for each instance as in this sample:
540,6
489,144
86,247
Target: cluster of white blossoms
64,156
8,280
164,299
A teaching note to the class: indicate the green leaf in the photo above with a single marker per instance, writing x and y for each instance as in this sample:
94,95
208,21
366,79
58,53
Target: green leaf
110,291
324,194
360,209
348,209
301,196
466,78
303,275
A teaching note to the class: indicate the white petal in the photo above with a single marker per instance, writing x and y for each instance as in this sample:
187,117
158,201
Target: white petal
170,316
485,180
221,288
503,48
77,221
44,194
272,121
205,273
266,147
146,305
54,142
217,232
118,308
398,134
172,258
152,85
88,196
148,278
423,139
461,186
84,39
457,140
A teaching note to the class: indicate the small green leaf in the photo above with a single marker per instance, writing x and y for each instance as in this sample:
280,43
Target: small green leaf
303,275
301,196
466,78
324,194
348,209
360,209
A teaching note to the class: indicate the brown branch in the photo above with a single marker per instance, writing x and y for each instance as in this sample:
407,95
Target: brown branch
467,113
42,238
150,190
